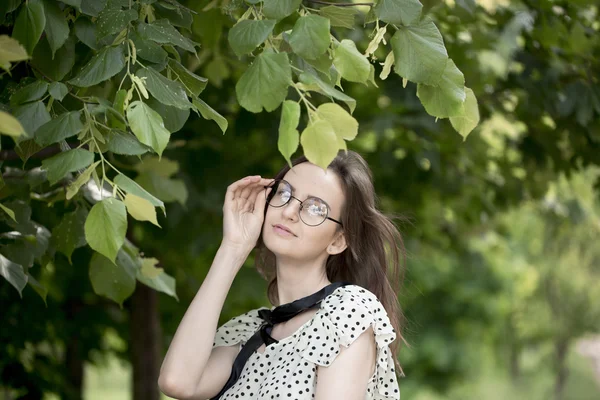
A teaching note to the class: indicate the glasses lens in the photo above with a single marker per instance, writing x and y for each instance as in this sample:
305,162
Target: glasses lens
314,211
280,194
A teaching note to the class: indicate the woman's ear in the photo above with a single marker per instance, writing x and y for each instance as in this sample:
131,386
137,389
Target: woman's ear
338,244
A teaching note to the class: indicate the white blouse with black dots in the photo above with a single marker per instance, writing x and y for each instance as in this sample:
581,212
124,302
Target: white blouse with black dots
287,369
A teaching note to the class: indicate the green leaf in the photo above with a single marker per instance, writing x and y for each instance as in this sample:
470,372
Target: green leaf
314,83
163,89
111,279
162,31
339,16
279,9
105,227
161,166
74,3
399,12
446,99
132,187
31,92
156,278
62,127
38,287
30,24
23,215
11,50
167,190
93,7
148,126
58,66
350,63
465,123
85,31
81,180
140,209
20,251
193,83
58,90
343,124
69,234
107,63
149,268
289,138
32,116
320,143
8,211
13,273
178,17
57,28
147,49
209,113
265,82
113,19
420,55
173,118
26,149
120,142
310,37
10,126
67,161
322,64
246,35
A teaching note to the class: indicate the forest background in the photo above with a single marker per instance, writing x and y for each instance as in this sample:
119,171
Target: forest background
494,157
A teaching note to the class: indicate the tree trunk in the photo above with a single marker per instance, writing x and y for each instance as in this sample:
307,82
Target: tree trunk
74,362
145,343
562,349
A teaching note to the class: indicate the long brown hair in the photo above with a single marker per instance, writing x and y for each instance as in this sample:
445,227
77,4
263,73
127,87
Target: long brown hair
375,257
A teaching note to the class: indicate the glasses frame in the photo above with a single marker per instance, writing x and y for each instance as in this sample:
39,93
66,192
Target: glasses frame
327,217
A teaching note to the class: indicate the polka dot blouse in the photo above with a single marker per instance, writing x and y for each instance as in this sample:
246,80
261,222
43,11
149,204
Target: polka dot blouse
287,369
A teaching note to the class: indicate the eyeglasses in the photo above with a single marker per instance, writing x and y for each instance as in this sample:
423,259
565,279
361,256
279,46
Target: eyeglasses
313,211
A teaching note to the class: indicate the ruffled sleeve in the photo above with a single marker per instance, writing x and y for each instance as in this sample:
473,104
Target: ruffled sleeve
238,329
342,318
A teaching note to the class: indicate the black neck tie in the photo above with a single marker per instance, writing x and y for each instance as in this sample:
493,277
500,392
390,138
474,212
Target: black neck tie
279,314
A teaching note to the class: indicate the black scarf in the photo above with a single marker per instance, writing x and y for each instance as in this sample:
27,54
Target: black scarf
279,314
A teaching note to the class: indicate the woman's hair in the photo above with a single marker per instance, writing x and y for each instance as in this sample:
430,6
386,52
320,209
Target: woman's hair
375,256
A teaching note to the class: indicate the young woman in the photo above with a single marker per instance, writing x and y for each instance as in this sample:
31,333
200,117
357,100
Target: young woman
333,263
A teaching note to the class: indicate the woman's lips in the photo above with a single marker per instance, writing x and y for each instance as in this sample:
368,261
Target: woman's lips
281,231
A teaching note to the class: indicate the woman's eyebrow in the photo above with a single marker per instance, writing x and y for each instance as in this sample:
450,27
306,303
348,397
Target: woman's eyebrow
308,195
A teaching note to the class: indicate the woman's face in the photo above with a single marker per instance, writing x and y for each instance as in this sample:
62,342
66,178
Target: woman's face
305,242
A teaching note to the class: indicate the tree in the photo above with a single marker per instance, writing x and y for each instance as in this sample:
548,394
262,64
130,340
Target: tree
92,87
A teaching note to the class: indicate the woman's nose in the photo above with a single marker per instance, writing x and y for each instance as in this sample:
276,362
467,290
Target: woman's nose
291,209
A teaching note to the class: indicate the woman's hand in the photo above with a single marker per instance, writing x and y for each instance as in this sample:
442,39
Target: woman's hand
243,212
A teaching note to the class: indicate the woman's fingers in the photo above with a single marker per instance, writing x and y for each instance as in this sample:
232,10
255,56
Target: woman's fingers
241,194
261,200
251,203
233,190
246,191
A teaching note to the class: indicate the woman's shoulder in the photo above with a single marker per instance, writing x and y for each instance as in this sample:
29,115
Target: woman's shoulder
351,309
355,297
353,291
239,328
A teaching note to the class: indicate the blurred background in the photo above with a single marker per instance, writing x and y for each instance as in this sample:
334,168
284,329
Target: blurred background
502,286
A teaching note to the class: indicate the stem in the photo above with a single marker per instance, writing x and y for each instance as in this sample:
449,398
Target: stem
81,99
307,103
83,143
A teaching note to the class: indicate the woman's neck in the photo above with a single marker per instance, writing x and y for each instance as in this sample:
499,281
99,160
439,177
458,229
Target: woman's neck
296,281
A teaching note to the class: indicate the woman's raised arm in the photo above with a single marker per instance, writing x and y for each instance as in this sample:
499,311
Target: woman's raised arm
191,367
